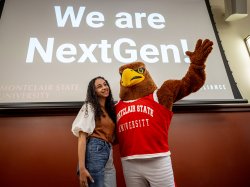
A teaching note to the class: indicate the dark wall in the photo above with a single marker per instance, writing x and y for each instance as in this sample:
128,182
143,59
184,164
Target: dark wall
209,149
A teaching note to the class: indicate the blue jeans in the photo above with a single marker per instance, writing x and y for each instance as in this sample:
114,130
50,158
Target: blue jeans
97,156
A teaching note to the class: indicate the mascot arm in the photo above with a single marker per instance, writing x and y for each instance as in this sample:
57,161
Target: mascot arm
174,90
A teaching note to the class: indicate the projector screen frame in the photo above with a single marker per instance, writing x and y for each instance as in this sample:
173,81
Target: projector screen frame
236,92
21,107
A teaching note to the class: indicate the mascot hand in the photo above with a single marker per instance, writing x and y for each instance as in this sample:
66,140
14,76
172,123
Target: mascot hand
201,52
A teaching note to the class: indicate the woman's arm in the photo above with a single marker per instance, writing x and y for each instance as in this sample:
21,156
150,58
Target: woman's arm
84,174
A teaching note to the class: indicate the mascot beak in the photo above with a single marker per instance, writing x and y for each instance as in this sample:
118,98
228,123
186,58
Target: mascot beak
130,77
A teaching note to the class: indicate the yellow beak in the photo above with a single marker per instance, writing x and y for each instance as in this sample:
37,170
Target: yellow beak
130,77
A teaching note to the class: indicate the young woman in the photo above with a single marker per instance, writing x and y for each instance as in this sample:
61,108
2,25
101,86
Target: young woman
95,127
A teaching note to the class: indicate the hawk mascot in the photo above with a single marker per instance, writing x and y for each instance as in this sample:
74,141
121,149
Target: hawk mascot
144,114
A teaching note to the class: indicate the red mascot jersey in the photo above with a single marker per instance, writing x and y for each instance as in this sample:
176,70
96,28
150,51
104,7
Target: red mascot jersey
142,128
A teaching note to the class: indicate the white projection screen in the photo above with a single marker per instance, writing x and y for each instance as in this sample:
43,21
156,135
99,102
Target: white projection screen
50,49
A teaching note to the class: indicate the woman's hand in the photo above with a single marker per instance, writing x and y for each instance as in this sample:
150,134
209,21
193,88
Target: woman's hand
85,177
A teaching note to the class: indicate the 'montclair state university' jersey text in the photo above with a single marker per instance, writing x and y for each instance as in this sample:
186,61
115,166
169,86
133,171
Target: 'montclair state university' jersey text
142,128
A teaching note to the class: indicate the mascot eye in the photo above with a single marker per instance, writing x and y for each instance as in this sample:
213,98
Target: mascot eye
141,70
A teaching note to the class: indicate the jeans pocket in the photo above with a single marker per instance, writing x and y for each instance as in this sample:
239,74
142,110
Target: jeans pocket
97,155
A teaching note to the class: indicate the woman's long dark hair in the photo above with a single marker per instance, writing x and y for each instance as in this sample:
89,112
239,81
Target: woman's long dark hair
92,98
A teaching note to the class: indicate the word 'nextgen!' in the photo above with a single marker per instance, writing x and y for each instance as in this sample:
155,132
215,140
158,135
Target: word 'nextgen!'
124,50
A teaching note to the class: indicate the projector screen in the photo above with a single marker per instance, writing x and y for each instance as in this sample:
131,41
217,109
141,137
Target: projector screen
51,49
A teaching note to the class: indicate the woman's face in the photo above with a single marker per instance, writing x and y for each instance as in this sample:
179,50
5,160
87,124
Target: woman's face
101,88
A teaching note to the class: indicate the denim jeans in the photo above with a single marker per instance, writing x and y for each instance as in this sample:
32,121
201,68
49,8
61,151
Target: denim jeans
99,163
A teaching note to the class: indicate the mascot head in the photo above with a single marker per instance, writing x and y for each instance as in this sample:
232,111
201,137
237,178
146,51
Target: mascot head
135,82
